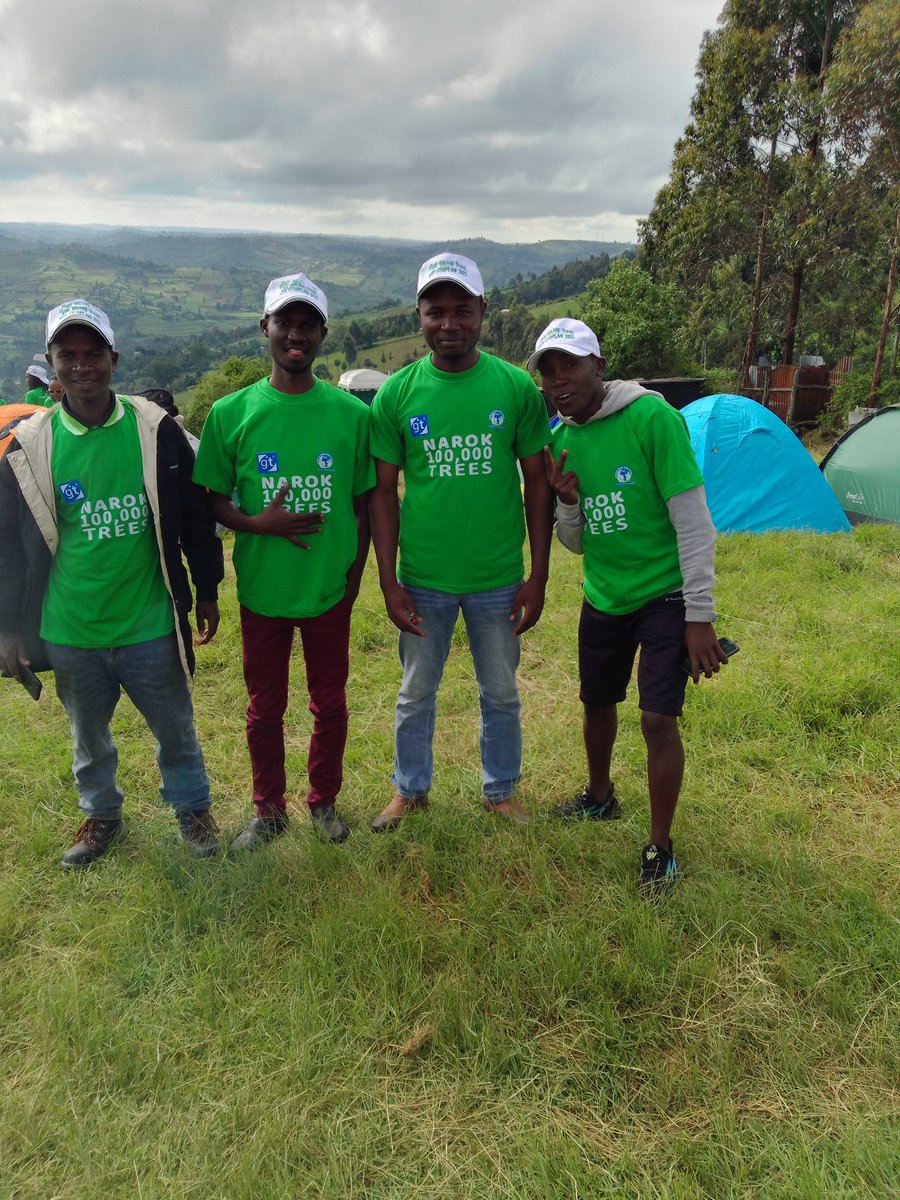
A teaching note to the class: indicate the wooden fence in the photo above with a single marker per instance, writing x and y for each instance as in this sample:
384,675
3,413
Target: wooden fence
798,395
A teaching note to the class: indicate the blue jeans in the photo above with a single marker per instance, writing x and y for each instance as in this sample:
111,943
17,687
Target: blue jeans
89,683
495,654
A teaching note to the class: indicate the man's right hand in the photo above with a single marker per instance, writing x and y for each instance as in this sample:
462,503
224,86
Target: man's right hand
12,652
563,482
277,521
401,610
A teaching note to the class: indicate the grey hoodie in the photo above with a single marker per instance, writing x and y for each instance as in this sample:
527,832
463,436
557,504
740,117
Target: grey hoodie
688,512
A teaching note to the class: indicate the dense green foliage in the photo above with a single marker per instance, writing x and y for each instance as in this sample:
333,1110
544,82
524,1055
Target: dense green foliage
235,373
776,220
639,323
463,1010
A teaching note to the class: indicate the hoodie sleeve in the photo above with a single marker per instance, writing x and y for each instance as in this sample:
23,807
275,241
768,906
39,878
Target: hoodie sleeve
696,537
570,526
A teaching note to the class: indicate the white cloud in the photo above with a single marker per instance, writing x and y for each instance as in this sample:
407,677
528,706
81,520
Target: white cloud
505,120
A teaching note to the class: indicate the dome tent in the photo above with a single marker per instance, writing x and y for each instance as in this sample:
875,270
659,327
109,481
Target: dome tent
862,468
10,416
758,474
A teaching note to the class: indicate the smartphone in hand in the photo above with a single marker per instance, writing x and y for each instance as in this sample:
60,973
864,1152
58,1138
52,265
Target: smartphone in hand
30,681
728,647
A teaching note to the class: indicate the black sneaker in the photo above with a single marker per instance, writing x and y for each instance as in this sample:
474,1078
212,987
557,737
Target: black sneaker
659,868
586,807
198,832
259,831
326,821
93,838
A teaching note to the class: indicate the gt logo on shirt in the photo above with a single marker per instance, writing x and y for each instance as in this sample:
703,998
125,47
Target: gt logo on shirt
266,463
496,417
71,491
418,426
325,461
623,474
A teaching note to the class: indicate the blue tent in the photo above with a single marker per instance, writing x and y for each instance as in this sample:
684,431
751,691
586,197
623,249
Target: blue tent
758,474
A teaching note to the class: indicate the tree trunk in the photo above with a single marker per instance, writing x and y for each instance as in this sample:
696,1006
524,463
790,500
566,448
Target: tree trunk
888,313
790,324
756,297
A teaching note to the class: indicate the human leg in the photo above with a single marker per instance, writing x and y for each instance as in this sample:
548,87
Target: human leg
661,687
422,660
606,649
326,645
266,650
495,654
88,690
152,677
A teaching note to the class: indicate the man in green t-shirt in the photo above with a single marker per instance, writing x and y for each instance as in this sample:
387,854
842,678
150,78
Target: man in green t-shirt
37,383
96,509
458,423
296,452
630,499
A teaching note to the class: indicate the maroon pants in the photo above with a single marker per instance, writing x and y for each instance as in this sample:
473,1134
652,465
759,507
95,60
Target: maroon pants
266,643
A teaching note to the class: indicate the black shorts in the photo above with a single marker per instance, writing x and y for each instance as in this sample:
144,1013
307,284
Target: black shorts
607,646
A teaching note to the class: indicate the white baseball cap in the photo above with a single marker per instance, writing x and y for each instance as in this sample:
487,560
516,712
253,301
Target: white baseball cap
568,335
79,312
37,373
294,289
452,268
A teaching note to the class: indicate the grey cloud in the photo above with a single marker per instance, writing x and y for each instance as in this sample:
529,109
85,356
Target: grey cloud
500,111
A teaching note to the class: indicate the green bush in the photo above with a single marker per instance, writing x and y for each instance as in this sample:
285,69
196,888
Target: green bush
853,392
721,379
233,374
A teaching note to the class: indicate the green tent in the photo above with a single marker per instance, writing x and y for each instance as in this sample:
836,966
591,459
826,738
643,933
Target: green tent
862,468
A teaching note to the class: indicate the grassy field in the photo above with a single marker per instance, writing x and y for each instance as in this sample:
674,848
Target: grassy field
462,1008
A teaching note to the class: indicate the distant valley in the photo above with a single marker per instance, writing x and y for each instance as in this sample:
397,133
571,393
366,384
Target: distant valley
201,291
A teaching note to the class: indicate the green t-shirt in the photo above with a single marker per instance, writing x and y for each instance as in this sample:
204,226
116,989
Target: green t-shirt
256,440
628,465
106,586
40,396
458,437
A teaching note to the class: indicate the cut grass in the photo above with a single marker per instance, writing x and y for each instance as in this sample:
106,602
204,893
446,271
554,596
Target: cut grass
464,1009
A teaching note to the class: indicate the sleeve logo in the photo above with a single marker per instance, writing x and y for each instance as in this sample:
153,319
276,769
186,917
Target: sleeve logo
418,426
266,463
496,417
325,461
623,474
71,492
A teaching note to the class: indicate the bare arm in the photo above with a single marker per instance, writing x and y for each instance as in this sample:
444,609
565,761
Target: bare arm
384,512
361,516
529,600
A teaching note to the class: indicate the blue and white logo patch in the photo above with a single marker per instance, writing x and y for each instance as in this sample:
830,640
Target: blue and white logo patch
418,426
266,463
496,417
325,461
623,474
71,492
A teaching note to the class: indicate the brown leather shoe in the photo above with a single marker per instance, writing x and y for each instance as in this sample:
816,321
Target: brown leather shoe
94,837
388,819
515,814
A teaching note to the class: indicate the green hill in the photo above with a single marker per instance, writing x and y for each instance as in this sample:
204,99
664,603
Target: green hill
190,298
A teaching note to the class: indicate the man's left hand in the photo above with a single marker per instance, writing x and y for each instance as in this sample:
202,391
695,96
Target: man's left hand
206,614
703,647
528,605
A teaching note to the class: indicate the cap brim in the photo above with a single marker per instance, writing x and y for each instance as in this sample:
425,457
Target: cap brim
286,300
535,358
448,279
67,323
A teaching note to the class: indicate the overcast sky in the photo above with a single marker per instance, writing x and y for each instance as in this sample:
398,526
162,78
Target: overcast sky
514,121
